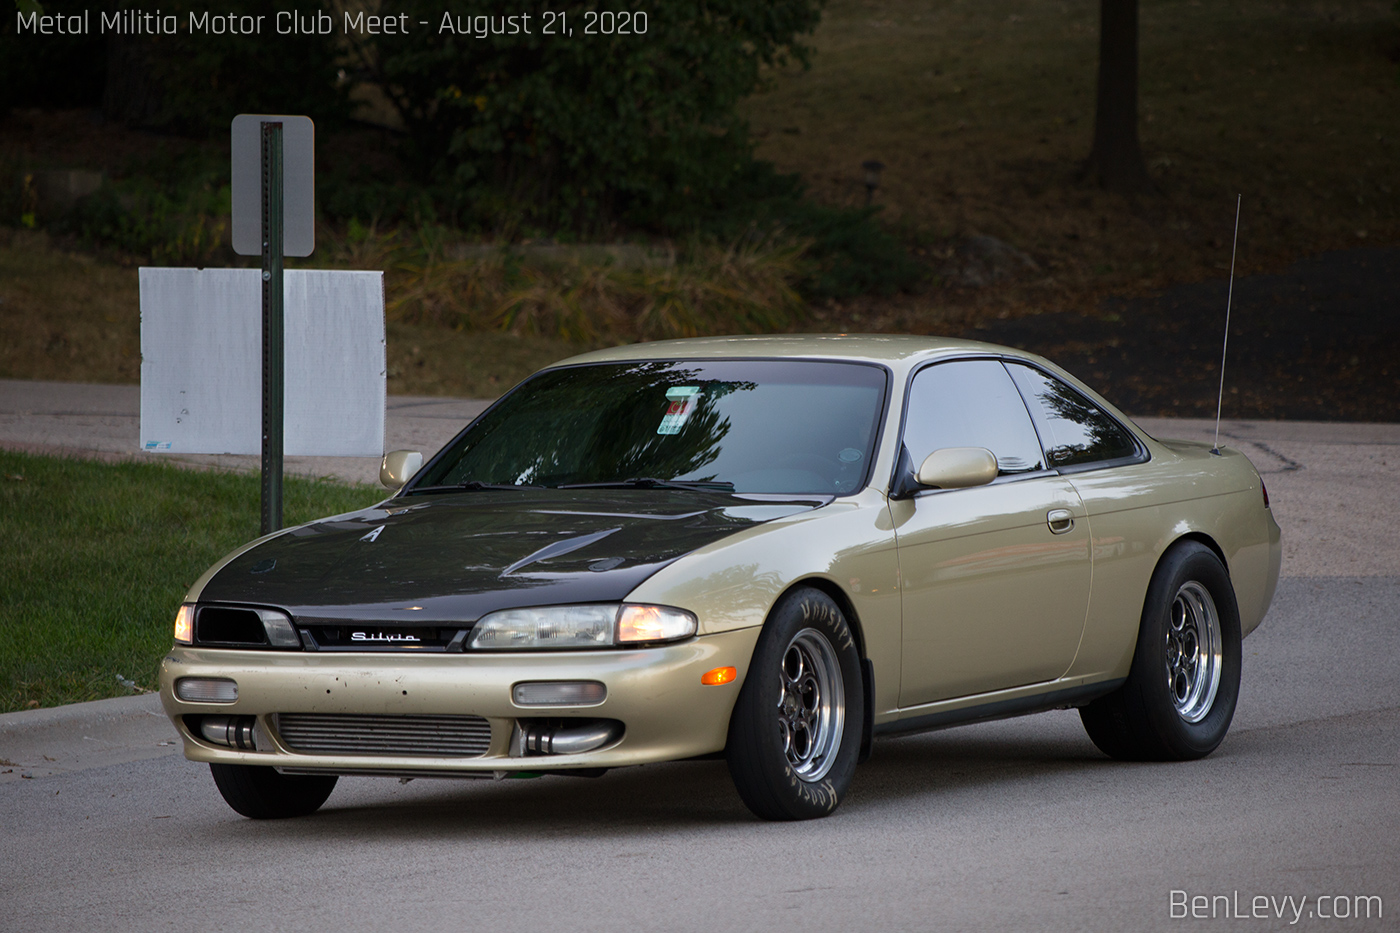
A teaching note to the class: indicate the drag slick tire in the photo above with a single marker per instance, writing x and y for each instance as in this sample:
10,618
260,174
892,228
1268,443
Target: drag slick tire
795,733
1181,691
261,793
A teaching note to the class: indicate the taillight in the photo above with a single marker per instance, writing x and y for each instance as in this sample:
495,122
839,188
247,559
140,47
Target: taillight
1266,492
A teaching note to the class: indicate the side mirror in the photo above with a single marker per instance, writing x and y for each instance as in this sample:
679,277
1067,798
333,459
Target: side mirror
398,466
958,467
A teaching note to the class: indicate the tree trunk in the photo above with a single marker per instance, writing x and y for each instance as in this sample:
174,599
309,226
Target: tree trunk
1116,160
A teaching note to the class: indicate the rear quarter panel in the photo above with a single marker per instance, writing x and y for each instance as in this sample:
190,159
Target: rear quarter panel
1137,512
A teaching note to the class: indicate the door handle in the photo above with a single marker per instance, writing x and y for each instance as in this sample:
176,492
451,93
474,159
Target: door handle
1059,520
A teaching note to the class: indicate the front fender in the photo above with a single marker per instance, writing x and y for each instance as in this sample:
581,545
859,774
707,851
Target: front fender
849,544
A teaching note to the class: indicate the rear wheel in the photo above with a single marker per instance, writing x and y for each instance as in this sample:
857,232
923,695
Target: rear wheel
1180,695
262,793
796,729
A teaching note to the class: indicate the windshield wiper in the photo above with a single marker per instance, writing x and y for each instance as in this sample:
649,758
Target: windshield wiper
651,482
473,485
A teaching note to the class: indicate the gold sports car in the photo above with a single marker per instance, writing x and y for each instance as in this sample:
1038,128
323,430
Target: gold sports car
775,549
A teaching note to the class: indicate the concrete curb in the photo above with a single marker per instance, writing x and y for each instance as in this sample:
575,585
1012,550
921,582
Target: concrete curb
38,743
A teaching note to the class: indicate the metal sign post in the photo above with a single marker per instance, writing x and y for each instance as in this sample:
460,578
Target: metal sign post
273,194
274,329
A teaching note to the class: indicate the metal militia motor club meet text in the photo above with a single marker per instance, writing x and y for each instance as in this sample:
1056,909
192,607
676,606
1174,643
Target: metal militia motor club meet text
292,22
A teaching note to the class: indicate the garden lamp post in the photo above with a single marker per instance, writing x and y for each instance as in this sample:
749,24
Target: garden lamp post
872,178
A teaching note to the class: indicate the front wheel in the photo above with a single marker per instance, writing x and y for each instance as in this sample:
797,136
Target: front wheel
262,793
796,729
1181,691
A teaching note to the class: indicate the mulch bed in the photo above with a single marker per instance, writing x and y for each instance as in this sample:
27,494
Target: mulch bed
1319,342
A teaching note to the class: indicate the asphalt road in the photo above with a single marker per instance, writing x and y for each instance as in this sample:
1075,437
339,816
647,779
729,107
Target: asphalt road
1012,825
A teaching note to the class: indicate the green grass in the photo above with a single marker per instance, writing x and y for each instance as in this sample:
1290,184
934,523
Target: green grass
98,556
982,112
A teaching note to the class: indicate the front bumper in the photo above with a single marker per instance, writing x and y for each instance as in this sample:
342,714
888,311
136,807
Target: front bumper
655,692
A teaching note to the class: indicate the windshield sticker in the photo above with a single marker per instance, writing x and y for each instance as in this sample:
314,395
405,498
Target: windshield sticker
849,455
683,401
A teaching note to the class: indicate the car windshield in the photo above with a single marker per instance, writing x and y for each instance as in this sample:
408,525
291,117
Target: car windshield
753,426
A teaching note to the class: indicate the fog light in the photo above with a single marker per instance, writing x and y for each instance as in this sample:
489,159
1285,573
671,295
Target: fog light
206,690
560,693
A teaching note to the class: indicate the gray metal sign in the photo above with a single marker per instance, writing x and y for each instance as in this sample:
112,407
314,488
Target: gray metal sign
299,184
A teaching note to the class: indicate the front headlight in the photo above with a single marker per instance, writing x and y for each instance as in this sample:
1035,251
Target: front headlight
563,627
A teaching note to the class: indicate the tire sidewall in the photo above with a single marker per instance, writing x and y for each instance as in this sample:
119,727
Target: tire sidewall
1185,563
754,734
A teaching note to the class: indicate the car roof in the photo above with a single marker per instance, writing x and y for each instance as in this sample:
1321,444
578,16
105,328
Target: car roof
901,353
873,348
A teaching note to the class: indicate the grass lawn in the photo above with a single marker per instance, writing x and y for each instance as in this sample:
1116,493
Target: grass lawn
983,110
99,556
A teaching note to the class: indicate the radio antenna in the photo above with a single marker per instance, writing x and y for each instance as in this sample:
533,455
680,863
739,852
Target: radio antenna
1229,296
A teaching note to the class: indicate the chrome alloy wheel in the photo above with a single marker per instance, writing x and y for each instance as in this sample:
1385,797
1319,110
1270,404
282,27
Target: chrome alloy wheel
811,705
1193,651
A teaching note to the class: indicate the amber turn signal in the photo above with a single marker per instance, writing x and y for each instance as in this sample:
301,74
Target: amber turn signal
720,675
184,625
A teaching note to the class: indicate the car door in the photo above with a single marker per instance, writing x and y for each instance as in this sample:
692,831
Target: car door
993,596
1122,492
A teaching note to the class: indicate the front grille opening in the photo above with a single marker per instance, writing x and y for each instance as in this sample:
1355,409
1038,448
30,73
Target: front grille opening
222,625
402,736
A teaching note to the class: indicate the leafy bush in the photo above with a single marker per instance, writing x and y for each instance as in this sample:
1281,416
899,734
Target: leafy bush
170,211
847,252
584,132
148,223
189,83
850,253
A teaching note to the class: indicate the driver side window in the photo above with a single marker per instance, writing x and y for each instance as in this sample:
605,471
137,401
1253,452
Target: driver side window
971,403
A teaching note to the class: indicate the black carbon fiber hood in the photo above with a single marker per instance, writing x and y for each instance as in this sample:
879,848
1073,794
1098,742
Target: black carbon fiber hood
455,557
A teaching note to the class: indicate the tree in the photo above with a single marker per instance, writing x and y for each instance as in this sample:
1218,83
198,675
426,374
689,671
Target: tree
1116,162
585,115
183,81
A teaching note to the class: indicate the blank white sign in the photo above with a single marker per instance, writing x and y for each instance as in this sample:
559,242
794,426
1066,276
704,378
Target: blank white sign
201,362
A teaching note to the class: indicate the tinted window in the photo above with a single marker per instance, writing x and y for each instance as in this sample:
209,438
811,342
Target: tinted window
970,403
790,426
1073,429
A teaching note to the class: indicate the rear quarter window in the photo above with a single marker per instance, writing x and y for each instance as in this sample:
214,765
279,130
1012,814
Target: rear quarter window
1073,430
